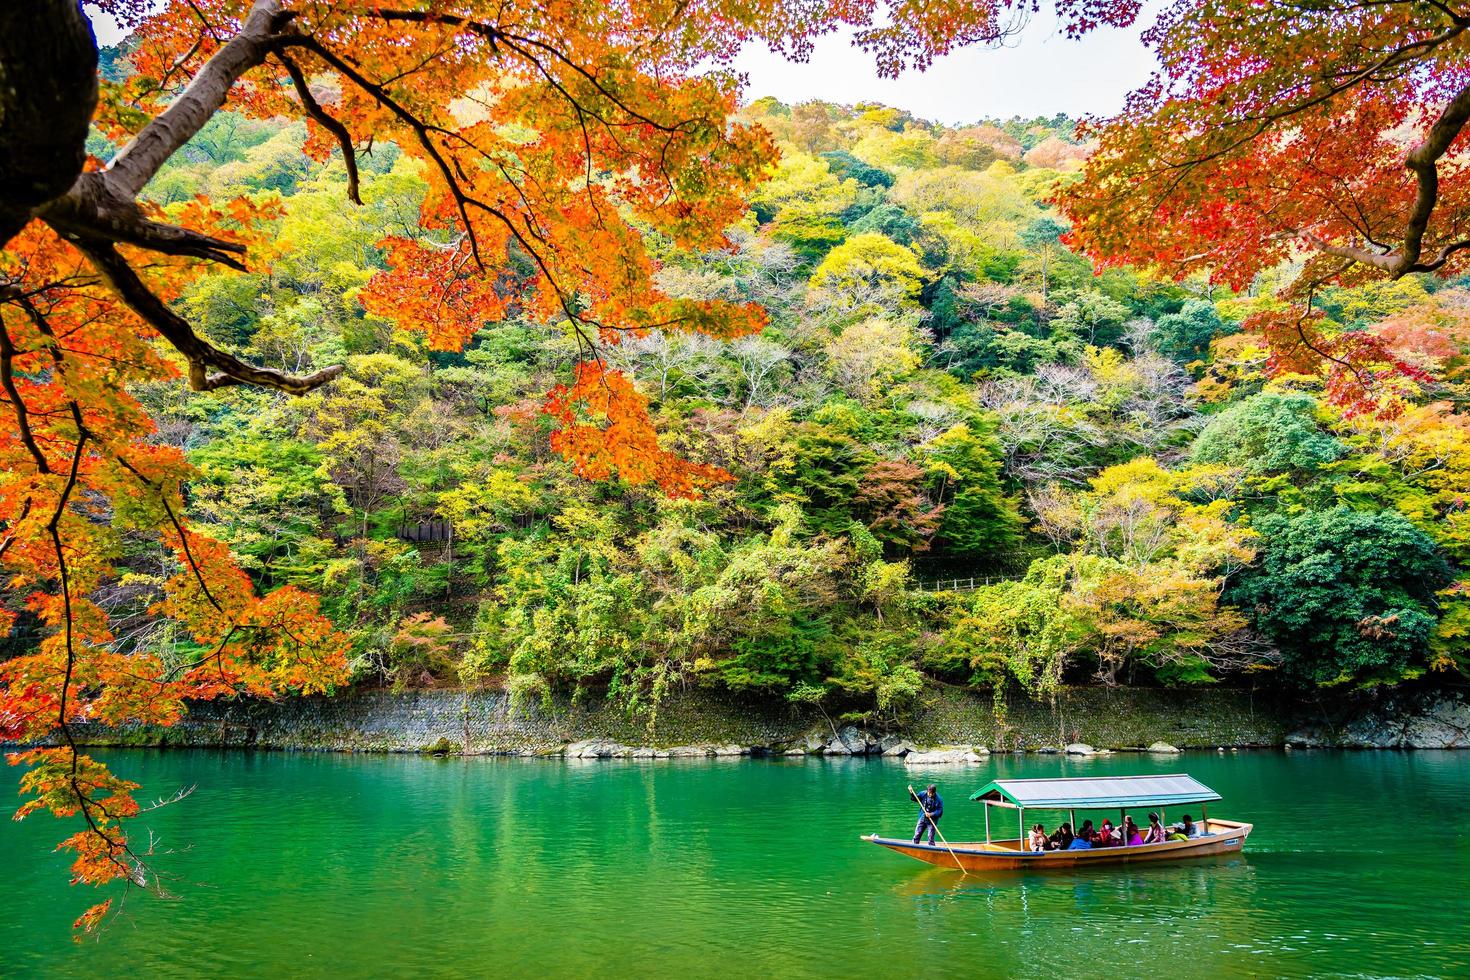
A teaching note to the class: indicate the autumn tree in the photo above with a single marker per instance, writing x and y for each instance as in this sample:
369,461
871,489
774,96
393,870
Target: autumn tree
870,354
807,196
420,647
1328,132
1141,588
1053,153
892,502
553,141
866,271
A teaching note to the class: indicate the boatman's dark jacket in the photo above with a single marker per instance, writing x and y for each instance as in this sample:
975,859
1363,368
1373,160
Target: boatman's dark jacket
934,804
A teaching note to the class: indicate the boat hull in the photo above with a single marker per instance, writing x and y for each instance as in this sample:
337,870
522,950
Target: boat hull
1225,837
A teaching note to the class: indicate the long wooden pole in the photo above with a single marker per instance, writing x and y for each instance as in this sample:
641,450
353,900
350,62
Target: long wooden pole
952,854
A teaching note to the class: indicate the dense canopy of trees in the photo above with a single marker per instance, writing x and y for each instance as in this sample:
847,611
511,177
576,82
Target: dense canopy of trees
554,152
1345,594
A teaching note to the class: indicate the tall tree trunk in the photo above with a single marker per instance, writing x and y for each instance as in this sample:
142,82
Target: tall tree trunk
48,91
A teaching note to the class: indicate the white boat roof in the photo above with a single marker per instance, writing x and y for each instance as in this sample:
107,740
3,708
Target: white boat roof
1099,791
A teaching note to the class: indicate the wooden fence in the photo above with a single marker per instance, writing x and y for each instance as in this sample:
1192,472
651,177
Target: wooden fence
962,584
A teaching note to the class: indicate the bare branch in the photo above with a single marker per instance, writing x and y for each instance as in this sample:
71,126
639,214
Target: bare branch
182,793
326,121
201,355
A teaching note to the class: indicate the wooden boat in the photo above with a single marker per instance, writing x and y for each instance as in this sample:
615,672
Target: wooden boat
1118,794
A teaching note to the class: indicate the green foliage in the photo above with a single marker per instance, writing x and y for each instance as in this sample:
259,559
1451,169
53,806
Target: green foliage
271,501
945,306
786,654
879,667
1347,596
1450,645
889,220
845,165
979,521
823,474
1269,433
1093,318
1013,630
803,201
1185,336
1043,233
985,349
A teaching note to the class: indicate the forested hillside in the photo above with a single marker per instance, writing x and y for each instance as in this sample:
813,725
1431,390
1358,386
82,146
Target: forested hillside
943,389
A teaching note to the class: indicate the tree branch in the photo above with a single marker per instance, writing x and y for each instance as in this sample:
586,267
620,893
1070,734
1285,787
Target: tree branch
201,355
94,210
1424,161
326,121
22,415
136,163
48,90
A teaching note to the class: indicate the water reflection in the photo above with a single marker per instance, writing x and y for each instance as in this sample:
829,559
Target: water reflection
1161,893
1039,923
333,866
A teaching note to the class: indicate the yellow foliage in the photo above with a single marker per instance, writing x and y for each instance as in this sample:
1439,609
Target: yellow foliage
868,270
867,356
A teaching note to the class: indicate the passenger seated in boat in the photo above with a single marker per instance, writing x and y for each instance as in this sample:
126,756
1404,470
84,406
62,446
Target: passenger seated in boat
1061,839
1131,836
1107,835
1037,839
1156,833
1083,840
1185,829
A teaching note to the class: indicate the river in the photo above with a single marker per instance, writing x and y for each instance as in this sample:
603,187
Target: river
334,865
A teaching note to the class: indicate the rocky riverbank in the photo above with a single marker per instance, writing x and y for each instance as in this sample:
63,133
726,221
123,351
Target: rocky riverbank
1422,720
951,726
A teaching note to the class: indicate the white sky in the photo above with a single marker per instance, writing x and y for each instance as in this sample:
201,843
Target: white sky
104,27
1039,73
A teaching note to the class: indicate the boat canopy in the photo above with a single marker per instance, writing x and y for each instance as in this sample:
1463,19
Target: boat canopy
1098,792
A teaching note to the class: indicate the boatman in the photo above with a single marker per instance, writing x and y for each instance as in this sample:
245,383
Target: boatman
931,808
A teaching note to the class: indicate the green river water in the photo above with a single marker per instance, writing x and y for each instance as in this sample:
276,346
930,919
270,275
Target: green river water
327,865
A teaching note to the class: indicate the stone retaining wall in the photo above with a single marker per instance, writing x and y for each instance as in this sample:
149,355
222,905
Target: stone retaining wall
698,722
